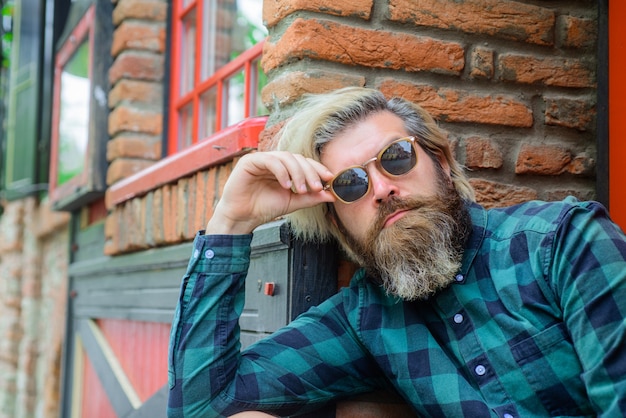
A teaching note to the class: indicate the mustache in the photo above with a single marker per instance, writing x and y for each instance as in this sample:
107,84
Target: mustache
396,203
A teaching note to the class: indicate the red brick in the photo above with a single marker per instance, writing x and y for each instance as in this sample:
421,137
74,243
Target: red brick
132,119
576,32
138,35
111,233
121,232
147,208
158,230
276,10
184,207
549,160
269,136
290,86
549,71
138,65
329,41
140,210
579,193
211,197
570,113
131,228
49,221
122,168
482,153
482,63
504,19
492,194
140,9
137,91
222,173
582,165
170,206
134,146
451,105
199,220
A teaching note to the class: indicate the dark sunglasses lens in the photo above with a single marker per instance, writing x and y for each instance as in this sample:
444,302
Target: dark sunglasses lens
351,184
399,158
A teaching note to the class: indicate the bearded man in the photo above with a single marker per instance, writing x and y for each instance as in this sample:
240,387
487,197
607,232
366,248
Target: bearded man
461,311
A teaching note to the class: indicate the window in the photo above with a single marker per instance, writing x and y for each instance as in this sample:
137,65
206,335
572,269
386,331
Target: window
216,78
79,115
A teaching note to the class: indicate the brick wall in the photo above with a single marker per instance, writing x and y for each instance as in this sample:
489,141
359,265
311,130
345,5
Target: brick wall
33,279
136,77
512,82
175,212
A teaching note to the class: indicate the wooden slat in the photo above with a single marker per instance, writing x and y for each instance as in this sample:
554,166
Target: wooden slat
117,386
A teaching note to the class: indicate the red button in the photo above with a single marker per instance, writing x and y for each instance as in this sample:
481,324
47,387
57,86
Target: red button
269,288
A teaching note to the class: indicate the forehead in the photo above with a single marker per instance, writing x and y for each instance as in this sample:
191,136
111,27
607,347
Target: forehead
362,141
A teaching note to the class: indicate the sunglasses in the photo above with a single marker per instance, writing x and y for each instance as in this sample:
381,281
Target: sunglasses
395,159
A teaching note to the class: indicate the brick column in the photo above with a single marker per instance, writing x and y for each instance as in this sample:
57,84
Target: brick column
512,82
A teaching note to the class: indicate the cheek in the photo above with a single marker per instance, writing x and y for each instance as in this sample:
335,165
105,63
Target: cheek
354,218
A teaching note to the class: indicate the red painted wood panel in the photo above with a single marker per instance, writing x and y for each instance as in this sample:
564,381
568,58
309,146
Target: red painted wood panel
95,403
617,112
141,349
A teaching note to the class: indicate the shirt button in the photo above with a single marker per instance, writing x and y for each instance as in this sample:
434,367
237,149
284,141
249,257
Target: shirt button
209,254
480,370
507,415
196,253
459,278
458,318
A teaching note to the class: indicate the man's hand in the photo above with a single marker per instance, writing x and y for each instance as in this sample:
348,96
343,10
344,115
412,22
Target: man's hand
266,185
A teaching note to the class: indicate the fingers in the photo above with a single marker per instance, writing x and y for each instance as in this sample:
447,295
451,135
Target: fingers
307,175
292,171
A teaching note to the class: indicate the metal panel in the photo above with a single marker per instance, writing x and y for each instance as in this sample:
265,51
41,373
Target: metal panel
145,286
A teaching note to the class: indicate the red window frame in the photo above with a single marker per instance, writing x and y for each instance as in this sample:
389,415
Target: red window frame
247,63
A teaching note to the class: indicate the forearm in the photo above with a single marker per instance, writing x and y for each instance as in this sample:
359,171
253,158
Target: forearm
204,341
590,270
307,364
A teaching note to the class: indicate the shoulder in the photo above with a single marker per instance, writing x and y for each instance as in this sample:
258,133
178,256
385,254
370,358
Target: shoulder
538,216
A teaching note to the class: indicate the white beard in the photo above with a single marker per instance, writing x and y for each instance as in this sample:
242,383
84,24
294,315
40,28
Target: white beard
420,253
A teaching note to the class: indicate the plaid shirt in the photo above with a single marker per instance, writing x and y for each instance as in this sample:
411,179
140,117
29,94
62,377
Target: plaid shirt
533,326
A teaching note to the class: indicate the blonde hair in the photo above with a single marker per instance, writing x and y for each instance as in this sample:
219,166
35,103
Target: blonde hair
319,118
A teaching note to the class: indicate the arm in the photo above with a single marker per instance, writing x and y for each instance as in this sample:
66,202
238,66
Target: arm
589,271
309,363
207,376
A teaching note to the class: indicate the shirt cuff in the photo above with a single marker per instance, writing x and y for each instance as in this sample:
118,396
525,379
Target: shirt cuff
219,253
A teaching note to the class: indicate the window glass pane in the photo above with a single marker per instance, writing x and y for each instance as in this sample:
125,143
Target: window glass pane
185,126
230,27
207,116
74,115
258,108
188,53
235,106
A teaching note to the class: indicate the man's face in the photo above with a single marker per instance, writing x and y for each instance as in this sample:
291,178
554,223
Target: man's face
362,142
408,230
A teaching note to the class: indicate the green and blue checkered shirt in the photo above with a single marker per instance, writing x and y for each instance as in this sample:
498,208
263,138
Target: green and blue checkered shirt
533,326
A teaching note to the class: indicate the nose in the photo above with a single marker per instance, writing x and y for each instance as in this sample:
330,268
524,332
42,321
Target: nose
383,187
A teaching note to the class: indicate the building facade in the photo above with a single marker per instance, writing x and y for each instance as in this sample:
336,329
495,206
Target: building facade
167,95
